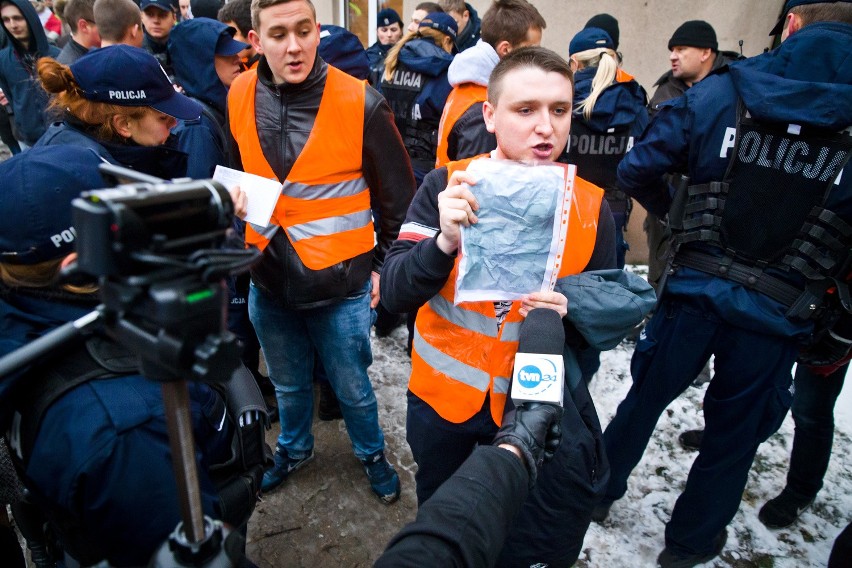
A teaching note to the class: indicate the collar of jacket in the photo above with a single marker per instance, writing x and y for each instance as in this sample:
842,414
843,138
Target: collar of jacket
315,79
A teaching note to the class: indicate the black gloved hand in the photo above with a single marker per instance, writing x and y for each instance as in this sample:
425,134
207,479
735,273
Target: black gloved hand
829,350
535,430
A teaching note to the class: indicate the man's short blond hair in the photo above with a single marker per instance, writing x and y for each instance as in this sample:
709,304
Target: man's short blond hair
257,6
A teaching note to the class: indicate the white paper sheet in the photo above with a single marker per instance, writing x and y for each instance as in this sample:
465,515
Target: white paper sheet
261,193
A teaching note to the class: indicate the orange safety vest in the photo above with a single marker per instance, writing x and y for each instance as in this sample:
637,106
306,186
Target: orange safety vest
461,98
324,206
622,76
460,354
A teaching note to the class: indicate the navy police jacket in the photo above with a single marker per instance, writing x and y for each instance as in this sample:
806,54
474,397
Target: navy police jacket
696,133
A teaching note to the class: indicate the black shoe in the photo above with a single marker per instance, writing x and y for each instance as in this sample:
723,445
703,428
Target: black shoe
601,512
668,559
329,407
691,439
271,409
782,511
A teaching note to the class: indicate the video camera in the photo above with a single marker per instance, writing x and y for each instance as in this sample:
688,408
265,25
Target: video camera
157,250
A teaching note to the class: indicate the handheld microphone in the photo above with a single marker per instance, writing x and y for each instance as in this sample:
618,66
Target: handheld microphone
539,371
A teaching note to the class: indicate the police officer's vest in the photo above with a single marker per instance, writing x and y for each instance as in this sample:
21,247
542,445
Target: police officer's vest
419,137
324,206
769,213
460,354
461,98
597,155
237,480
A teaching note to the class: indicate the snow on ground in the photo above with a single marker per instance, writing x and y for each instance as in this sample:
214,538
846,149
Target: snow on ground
633,535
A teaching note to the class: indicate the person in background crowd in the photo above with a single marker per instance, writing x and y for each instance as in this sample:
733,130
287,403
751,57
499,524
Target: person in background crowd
467,21
119,22
388,33
607,113
205,8
420,12
158,19
416,87
609,24
205,58
694,53
343,150
119,130
26,44
185,12
6,112
341,48
80,16
51,24
757,249
610,114
506,25
237,14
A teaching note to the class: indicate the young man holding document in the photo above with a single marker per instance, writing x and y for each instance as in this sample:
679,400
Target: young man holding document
463,352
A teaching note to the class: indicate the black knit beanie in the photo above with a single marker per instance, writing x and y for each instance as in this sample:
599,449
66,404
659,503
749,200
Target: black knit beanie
695,33
607,23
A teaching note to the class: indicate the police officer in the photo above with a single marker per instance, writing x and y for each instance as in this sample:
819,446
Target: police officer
416,87
760,235
89,431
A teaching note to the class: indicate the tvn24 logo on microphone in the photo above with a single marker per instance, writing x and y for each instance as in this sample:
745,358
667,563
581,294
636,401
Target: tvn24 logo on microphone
538,378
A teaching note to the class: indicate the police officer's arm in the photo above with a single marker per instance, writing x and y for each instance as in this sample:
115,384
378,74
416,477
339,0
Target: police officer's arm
663,148
415,268
387,170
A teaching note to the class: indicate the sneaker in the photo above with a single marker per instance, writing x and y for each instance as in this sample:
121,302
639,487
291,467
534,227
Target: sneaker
284,466
691,439
601,512
383,477
668,559
782,511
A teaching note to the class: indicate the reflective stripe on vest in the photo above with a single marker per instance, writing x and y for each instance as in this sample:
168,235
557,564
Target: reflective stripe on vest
324,206
459,353
461,98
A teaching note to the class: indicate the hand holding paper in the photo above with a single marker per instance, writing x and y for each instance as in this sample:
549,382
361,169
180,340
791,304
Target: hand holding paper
456,207
261,194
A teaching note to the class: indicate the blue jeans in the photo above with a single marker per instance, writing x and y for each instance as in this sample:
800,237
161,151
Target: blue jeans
340,334
745,403
813,413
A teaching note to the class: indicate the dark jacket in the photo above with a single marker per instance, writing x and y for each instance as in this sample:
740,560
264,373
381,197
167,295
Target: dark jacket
376,54
192,49
597,144
19,79
468,37
102,463
469,137
416,94
694,133
285,116
161,52
164,161
668,87
466,521
71,52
